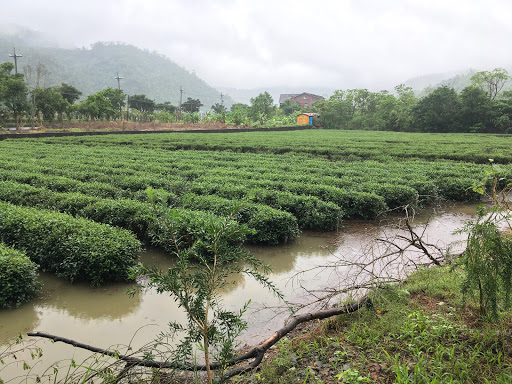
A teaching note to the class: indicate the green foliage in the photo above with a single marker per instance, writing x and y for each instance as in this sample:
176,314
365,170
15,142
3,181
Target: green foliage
203,266
73,248
18,276
262,107
487,263
191,105
289,107
13,90
49,101
271,226
491,82
68,92
141,103
438,112
219,108
487,258
96,106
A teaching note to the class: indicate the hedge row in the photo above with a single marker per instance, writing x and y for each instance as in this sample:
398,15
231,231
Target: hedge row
18,277
311,212
76,249
272,226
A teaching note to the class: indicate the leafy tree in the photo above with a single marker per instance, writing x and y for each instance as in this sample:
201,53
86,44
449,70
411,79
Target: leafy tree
262,107
406,103
68,92
239,114
438,112
115,96
490,82
141,103
13,90
476,109
218,108
335,112
35,77
97,106
166,106
50,102
289,107
191,105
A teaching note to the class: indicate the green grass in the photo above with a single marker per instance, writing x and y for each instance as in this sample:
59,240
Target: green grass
415,333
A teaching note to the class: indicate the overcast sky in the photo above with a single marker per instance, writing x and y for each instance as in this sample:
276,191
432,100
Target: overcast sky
374,44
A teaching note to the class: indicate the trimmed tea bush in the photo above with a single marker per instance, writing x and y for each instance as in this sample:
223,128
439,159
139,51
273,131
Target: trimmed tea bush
272,225
72,248
18,277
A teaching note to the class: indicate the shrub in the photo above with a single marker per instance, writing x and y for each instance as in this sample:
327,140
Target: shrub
272,225
73,248
189,227
488,264
18,277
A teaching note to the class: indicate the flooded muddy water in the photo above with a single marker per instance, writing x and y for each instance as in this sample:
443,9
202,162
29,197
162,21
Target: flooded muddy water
108,316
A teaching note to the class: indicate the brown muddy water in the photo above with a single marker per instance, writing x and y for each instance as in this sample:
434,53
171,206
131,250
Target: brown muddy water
107,316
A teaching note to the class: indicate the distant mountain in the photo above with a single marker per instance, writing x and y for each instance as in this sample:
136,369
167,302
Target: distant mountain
244,95
455,80
93,69
421,82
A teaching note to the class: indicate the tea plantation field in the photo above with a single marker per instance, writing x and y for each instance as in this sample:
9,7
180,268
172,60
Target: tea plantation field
89,189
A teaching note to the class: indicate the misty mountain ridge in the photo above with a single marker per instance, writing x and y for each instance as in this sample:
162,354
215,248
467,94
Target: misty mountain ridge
95,68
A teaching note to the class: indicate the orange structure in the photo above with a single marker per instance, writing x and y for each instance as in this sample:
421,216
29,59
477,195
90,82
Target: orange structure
306,118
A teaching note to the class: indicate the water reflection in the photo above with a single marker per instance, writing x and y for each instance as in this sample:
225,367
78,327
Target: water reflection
82,301
17,321
283,258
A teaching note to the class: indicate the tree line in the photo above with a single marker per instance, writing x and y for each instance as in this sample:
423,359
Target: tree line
482,107
24,97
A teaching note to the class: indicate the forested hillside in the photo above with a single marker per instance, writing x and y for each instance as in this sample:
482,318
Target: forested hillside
93,69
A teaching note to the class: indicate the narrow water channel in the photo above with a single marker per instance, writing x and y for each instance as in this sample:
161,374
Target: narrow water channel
107,316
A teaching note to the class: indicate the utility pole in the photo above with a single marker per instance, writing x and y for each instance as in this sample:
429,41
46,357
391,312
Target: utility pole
118,81
119,87
222,108
15,60
181,98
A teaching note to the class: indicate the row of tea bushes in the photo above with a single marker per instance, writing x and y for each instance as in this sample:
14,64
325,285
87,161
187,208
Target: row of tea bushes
271,225
76,249
332,144
18,277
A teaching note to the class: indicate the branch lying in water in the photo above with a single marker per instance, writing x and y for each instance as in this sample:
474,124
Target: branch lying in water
257,353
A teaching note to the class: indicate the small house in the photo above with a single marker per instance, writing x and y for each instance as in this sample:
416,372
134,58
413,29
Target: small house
306,118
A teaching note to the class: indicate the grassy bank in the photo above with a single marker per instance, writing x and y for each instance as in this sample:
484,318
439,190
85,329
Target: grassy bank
417,333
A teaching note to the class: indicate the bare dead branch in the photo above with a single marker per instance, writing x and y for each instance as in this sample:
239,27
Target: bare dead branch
257,353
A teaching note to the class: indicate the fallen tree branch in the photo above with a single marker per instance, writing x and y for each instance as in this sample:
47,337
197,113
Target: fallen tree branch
257,353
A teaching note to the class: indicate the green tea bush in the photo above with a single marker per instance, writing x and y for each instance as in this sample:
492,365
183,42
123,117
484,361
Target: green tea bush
396,196
133,215
190,229
310,211
272,226
18,277
73,248
456,189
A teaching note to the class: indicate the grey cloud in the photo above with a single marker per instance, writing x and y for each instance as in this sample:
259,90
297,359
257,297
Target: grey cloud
243,43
